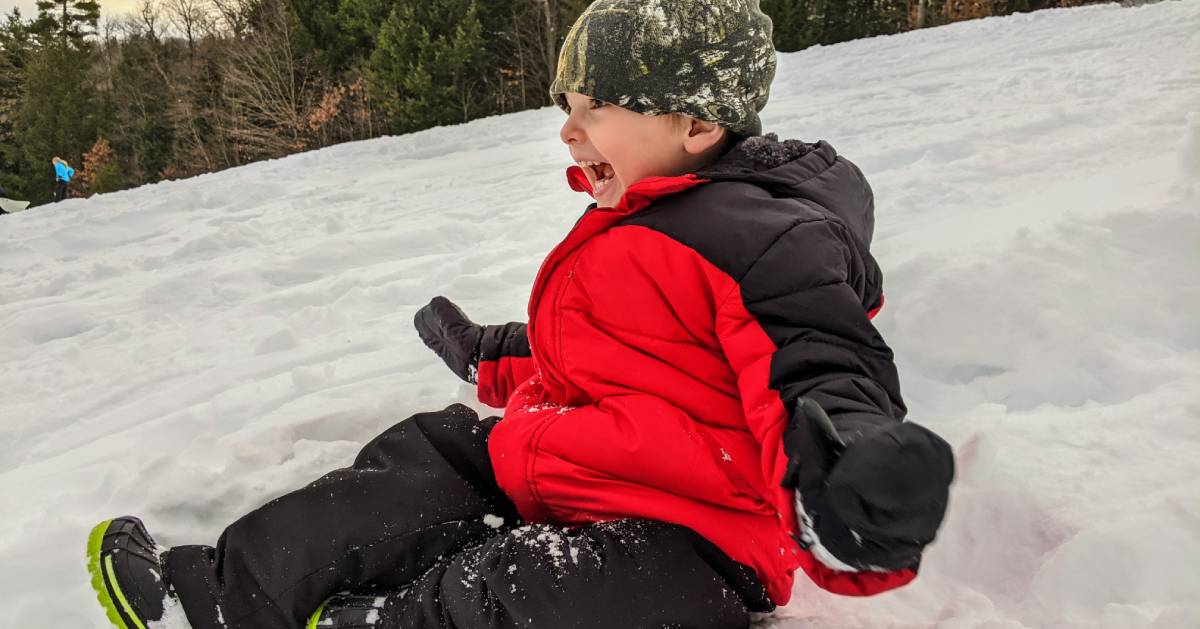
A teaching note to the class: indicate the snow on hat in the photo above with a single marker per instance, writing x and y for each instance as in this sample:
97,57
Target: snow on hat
709,59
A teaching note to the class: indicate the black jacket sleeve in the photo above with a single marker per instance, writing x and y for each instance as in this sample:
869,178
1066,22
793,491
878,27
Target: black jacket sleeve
872,489
811,291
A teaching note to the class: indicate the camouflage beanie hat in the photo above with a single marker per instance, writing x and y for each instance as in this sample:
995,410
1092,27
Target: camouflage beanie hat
709,59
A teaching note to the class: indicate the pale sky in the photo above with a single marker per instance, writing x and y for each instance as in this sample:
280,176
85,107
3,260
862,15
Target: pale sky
108,8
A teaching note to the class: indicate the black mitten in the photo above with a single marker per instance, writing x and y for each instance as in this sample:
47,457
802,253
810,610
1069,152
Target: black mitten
873,503
446,330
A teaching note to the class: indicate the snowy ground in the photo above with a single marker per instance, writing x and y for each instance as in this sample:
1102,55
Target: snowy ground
187,350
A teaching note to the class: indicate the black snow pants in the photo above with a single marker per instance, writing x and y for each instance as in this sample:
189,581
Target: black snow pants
419,518
60,190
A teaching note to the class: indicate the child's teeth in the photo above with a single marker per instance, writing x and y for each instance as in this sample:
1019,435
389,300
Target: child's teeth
598,173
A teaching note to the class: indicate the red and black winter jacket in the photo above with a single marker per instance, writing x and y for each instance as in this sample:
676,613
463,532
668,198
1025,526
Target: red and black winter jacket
668,341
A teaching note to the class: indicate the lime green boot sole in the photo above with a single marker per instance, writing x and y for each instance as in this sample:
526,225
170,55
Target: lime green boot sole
99,570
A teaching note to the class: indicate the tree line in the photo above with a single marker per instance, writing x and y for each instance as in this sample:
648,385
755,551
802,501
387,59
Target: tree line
181,87
803,23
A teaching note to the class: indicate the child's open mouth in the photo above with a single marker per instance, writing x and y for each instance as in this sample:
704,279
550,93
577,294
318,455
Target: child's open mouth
598,174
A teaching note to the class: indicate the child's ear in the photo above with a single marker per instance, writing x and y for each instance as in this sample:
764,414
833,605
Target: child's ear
702,136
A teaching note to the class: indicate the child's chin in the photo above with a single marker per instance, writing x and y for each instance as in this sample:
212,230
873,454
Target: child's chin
609,196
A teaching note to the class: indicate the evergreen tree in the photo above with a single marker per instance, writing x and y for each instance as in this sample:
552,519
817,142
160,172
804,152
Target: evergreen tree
68,21
57,114
428,64
139,123
14,49
803,23
787,17
346,29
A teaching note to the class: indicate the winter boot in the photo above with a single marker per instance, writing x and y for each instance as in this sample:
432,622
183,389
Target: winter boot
127,572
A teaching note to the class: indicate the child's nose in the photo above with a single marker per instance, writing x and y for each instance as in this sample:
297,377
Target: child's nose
570,133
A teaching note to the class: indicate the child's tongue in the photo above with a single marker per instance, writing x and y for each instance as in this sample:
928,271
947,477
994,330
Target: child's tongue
599,172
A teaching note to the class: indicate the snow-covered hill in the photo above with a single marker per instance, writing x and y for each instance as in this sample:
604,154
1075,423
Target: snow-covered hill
187,350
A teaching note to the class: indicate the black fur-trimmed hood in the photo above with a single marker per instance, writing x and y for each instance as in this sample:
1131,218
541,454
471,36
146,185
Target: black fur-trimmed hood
769,152
805,171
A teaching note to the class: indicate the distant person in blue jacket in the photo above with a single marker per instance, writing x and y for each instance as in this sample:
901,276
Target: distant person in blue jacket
62,177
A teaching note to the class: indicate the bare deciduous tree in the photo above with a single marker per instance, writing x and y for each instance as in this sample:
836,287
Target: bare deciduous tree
190,18
234,15
146,19
265,92
549,36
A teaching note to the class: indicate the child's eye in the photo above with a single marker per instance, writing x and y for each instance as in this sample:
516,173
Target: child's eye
594,103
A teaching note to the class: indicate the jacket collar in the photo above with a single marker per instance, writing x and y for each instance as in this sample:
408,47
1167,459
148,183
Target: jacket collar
640,194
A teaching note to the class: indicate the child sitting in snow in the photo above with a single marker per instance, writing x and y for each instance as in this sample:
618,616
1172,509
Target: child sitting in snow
697,407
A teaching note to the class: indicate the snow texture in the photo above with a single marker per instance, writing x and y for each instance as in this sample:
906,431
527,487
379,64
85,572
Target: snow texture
188,350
